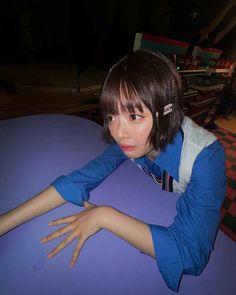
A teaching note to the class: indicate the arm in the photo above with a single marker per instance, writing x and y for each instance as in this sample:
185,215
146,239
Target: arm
74,188
41,203
185,246
133,231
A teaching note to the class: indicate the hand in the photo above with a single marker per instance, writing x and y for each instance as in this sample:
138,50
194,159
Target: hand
79,226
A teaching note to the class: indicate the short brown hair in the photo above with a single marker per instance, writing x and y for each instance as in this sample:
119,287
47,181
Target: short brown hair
149,78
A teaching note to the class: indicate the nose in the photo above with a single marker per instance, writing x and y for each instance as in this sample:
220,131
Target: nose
122,130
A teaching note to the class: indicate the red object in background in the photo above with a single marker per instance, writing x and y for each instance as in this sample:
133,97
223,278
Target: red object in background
187,62
219,63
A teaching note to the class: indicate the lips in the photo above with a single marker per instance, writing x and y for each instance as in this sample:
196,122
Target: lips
127,148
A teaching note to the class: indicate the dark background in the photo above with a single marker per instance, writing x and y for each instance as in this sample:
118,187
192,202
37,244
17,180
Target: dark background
93,32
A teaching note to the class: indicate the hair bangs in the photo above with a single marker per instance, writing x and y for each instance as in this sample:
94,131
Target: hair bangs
118,95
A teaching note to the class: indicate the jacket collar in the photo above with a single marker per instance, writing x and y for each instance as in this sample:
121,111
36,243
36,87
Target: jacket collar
169,158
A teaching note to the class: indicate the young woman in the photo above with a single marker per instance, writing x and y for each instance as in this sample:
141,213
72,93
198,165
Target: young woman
141,101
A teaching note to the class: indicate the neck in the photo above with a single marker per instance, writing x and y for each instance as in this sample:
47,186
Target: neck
152,154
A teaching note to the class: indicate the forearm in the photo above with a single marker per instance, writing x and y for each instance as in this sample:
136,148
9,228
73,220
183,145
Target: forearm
39,204
133,231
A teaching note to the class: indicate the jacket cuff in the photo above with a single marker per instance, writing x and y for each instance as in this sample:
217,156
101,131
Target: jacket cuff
69,191
167,256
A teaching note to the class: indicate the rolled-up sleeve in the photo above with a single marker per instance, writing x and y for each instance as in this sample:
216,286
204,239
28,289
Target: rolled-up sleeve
185,246
76,186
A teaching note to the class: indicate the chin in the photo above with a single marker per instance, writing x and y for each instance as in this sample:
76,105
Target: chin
134,155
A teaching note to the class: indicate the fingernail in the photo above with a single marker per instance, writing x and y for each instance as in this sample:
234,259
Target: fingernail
71,265
49,256
42,240
50,223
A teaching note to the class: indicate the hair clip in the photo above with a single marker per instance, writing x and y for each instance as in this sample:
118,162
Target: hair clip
167,109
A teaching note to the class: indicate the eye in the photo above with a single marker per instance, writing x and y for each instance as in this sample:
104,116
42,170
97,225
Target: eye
109,118
135,117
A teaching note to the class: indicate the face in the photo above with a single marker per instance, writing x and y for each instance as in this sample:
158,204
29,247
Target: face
131,131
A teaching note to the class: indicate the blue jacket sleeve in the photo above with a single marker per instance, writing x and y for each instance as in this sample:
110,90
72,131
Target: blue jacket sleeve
75,187
185,246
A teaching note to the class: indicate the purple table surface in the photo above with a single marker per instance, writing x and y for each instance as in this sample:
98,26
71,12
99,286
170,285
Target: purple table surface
37,149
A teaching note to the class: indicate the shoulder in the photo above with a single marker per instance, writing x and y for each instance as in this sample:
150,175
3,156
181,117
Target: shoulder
196,135
213,154
210,165
199,146
195,140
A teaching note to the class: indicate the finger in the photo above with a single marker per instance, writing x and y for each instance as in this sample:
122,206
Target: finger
61,246
56,234
76,253
63,220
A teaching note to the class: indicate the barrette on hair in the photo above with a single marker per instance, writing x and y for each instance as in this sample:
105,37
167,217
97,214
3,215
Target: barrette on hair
167,109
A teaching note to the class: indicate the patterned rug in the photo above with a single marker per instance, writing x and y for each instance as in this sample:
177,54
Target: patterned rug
228,139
